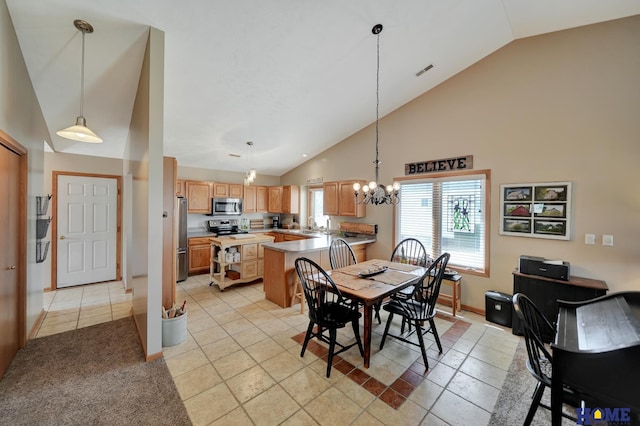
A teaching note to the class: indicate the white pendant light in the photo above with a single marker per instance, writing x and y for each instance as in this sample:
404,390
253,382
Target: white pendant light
377,193
250,176
80,132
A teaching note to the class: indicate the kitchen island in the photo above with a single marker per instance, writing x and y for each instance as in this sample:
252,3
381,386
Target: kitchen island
237,259
279,261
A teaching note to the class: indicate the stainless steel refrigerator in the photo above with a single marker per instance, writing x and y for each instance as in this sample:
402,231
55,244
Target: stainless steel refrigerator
182,250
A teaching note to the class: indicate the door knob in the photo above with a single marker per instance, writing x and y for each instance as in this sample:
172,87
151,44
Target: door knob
62,237
12,267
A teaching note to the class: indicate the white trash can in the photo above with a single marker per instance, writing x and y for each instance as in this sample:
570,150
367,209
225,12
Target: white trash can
174,330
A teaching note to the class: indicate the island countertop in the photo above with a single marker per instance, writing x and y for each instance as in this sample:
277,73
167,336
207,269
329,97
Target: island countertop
316,243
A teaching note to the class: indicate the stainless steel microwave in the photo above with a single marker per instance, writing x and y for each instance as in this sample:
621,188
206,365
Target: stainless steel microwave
226,206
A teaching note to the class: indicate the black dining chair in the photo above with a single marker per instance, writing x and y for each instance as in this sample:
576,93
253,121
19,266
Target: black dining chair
539,359
411,251
327,309
419,309
341,254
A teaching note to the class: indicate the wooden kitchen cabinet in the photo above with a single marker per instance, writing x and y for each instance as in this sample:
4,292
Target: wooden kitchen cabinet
339,200
330,198
278,237
275,199
284,199
262,199
199,196
199,255
180,188
256,199
291,199
227,190
249,201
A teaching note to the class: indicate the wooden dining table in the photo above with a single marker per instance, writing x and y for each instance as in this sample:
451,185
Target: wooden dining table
371,290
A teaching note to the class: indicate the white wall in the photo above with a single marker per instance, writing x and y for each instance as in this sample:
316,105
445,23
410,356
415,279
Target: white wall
143,167
557,107
21,118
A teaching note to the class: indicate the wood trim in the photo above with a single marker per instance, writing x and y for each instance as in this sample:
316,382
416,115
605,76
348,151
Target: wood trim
153,357
37,324
54,222
487,209
13,145
470,308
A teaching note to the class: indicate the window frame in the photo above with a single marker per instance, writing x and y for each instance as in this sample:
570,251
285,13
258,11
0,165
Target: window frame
487,209
310,191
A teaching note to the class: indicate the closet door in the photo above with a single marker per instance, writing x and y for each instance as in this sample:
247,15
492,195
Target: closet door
9,256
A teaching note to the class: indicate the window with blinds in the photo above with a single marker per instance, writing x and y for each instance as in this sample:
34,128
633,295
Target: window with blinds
447,214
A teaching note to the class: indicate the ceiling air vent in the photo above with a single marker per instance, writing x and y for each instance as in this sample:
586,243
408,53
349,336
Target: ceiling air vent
422,71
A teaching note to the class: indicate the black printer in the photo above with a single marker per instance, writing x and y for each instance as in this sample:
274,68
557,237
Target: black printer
532,265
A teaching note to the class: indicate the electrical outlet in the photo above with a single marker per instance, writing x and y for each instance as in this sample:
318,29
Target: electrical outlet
607,240
589,238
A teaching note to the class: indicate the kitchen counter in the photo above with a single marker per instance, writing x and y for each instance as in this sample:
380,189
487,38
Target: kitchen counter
317,242
196,233
279,261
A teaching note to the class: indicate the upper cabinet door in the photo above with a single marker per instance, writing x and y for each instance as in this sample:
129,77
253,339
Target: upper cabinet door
347,205
198,196
180,188
262,199
249,204
220,190
235,190
339,199
330,198
275,199
291,199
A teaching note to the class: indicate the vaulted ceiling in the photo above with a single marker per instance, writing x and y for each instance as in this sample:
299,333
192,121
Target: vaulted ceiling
293,76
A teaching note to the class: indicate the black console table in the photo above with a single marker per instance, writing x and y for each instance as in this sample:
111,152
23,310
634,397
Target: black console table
545,292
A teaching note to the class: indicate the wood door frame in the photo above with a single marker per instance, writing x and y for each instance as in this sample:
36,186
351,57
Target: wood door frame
11,144
54,221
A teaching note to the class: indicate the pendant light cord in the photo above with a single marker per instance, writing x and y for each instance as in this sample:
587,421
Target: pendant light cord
82,78
377,101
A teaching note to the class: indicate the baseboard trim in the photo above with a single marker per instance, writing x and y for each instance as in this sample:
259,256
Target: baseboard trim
474,310
37,324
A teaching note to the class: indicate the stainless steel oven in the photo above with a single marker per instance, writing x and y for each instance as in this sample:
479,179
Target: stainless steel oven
226,206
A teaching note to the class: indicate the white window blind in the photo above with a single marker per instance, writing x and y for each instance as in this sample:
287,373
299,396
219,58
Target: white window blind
446,215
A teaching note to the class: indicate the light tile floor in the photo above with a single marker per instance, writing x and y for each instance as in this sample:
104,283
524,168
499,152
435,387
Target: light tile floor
241,365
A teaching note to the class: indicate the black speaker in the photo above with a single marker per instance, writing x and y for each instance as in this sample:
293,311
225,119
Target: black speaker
498,307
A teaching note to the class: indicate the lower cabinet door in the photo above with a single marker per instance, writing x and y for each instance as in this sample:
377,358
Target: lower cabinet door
250,269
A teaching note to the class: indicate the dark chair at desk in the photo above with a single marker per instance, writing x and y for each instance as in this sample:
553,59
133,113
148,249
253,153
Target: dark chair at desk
327,309
539,359
419,308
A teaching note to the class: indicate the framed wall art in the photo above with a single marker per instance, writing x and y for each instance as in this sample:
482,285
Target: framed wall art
539,210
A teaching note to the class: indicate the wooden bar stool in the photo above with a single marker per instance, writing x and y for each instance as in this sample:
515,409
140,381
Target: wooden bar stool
298,294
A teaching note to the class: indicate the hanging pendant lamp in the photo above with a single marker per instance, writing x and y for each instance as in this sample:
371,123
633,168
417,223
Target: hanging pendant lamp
375,192
80,132
250,176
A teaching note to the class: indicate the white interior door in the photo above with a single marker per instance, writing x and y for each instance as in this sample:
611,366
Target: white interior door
86,221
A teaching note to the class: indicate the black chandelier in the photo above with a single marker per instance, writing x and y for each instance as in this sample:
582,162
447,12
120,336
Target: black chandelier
376,193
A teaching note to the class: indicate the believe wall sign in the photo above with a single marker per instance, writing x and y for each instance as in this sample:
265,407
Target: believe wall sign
447,164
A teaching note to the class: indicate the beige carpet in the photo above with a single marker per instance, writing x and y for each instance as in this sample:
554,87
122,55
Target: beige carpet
95,375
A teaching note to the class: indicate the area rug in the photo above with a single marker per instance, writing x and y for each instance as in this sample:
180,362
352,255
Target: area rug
514,399
95,375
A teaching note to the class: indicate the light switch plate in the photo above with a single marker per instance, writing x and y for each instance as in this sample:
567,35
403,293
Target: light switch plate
589,238
607,240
